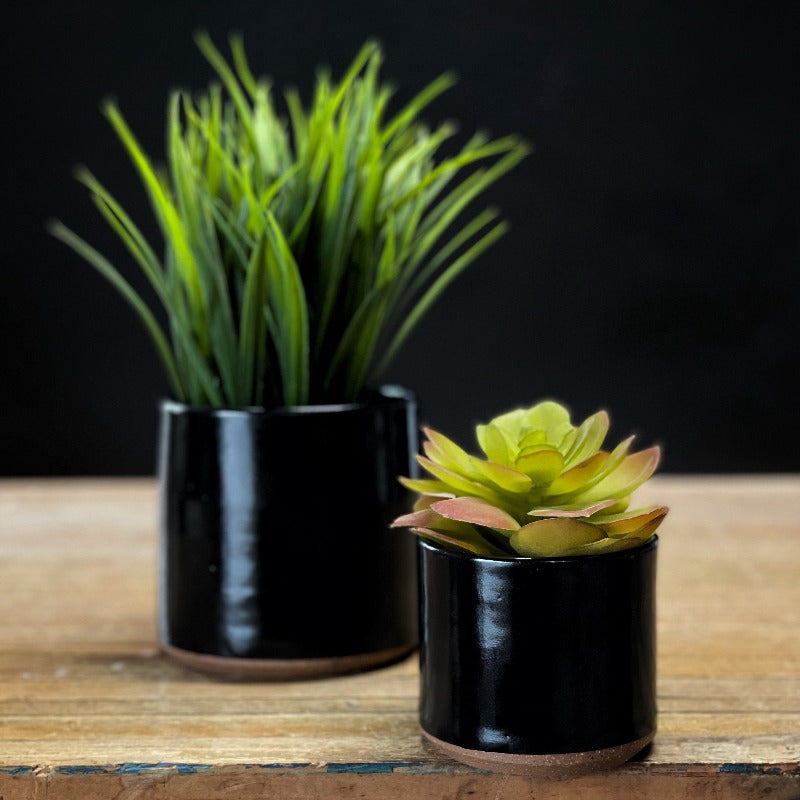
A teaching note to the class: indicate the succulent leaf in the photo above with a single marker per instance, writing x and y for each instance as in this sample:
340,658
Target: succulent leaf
442,451
426,518
542,466
538,465
456,482
643,533
416,519
615,458
549,537
423,501
605,546
579,475
493,442
588,438
532,441
573,509
510,423
549,418
503,477
470,509
427,487
478,548
619,506
629,475
629,521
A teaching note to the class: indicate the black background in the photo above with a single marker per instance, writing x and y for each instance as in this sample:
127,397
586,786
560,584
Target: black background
652,266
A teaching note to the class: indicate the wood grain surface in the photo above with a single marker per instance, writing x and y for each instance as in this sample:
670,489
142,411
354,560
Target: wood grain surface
89,708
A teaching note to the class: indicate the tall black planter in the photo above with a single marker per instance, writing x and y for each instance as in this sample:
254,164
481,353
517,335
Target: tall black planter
276,555
531,664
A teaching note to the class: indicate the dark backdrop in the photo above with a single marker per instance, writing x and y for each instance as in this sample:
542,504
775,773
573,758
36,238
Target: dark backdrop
652,268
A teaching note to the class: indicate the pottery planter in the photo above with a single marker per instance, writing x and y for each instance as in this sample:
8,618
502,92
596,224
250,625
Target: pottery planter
276,559
531,665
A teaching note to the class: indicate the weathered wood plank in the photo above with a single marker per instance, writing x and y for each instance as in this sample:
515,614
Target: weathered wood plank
405,782
89,709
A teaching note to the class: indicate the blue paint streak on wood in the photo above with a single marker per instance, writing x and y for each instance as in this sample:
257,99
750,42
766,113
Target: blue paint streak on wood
372,768
136,768
181,769
191,769
756,769
80,770
132,768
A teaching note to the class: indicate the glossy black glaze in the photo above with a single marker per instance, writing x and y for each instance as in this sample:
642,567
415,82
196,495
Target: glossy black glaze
538,656
274,529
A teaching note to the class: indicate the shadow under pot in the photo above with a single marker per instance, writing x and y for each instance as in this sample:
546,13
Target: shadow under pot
539,666
276,557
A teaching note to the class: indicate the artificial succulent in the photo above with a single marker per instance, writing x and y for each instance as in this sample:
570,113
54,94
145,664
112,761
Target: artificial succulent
545,488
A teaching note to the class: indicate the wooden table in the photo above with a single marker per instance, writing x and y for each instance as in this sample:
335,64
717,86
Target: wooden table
90,709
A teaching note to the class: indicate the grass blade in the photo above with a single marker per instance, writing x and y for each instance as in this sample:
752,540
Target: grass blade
110,273
123,225
438,286
411,111
165,211
252,323
287,302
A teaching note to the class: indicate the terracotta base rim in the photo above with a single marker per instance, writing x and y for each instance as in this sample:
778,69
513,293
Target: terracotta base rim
555,765
282,669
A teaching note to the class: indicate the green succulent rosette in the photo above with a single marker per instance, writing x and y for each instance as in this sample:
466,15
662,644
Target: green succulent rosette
546,488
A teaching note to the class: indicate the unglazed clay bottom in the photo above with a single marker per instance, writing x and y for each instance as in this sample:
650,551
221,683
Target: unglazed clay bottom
552,765
282,669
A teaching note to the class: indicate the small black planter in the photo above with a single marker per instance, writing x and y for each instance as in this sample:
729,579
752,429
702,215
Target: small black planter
538,664
276,556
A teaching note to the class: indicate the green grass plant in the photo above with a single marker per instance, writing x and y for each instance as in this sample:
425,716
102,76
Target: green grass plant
300,249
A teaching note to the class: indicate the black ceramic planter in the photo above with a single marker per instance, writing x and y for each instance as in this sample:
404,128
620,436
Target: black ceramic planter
276,556
538,664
